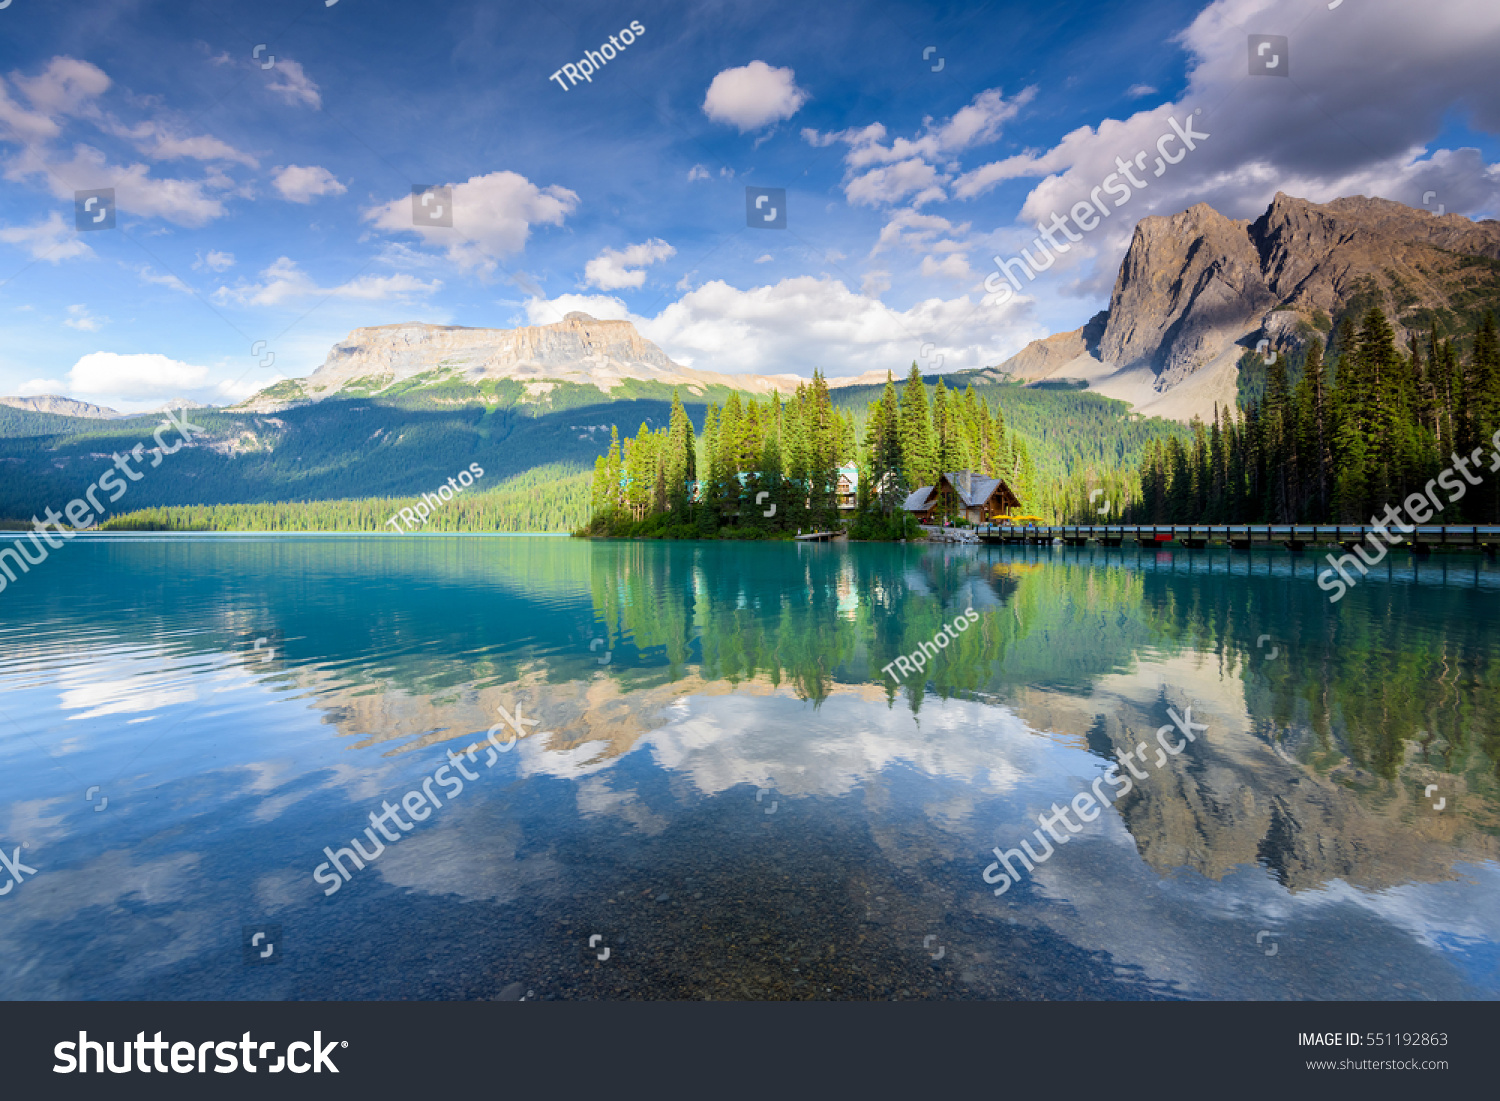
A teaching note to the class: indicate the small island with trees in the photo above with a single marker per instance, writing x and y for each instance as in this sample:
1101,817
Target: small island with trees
772,469
1324,433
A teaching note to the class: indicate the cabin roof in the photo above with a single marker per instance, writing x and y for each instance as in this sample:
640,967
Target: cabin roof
918,500
980,492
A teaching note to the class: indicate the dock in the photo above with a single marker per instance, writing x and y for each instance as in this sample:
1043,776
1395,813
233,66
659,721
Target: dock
818,536
1420,539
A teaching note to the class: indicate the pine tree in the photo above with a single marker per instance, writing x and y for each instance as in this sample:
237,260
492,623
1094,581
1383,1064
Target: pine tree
613,472
1278,423
796,457
729,460
1351,492
770,478
659,490
917,452
1486,400
1023,484
1000,447
825,432
883,447
973,416
1200,475
1216,512
708,441
1179,483
599,491
948,433
1314,433
639,473
681,462
710,474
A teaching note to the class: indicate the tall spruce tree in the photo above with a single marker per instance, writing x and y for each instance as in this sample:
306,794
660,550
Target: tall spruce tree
883,447
917,452
681,464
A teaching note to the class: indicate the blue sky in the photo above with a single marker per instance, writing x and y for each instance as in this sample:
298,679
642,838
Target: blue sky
273,204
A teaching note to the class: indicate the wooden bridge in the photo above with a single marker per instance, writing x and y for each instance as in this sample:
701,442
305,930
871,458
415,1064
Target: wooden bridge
1420,539
1471,571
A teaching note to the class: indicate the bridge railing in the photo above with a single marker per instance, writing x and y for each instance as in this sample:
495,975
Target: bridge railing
1311,533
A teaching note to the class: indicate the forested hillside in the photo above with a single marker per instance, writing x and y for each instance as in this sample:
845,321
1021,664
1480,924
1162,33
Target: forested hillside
1341,436
337,450
549,498
342,452
24,422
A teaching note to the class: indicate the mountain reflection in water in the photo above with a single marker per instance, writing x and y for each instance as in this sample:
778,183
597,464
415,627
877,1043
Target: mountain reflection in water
726,788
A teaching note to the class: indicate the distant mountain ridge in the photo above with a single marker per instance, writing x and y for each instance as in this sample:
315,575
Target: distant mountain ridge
579,349
1198,289
60,406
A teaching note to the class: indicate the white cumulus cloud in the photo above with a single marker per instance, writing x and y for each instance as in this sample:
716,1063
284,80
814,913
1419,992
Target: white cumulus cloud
139,376
492,217
895,182
66,86
614,269
753,96
304,183
806,322
880,172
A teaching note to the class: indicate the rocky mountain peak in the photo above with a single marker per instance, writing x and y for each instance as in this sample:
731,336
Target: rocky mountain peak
1187,283
577,349
1197,288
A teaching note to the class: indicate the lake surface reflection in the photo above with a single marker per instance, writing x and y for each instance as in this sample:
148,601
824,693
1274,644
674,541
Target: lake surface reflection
725,796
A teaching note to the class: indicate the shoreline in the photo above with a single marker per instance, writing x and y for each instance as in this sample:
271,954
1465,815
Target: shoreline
22,533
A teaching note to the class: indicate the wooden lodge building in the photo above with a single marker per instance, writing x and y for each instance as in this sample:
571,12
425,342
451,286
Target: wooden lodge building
962,493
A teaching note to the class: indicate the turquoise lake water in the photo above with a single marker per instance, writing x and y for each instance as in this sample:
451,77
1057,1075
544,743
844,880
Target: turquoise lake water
725,796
